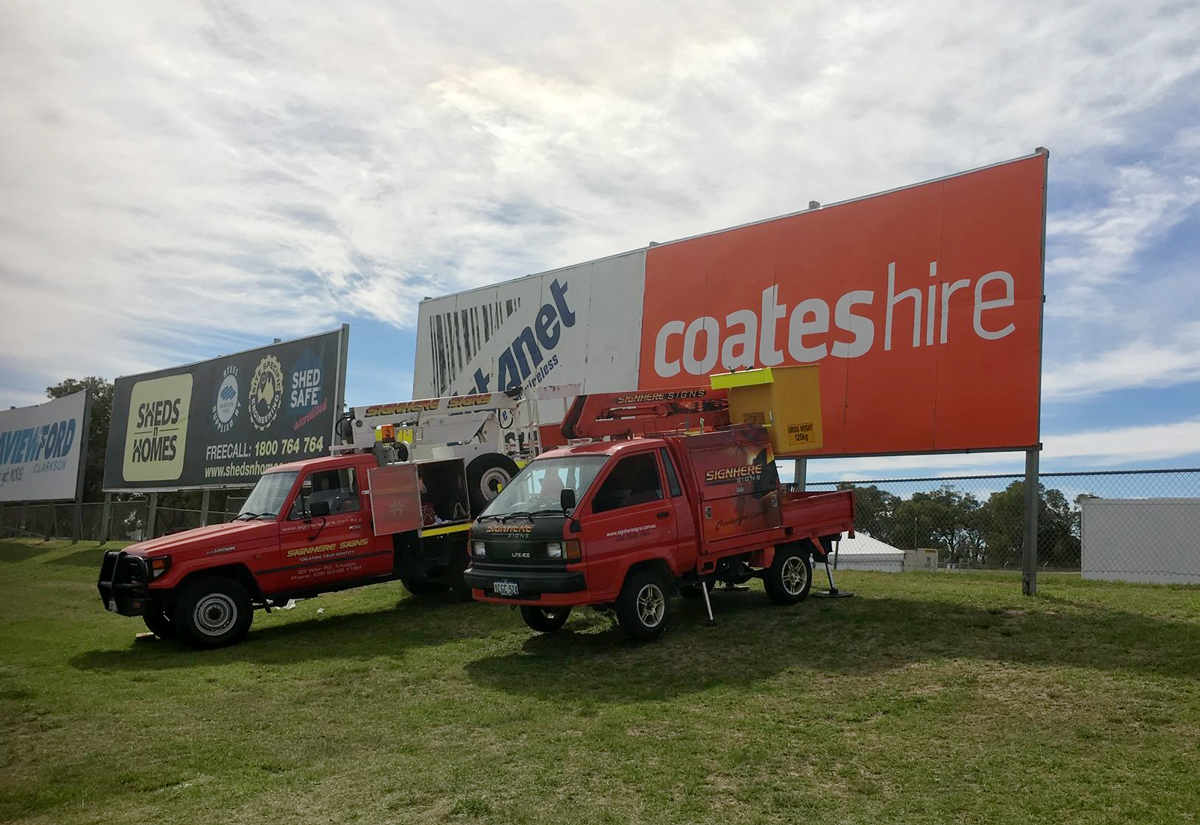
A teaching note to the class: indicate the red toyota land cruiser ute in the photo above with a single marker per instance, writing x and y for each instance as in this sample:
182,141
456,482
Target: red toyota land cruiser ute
627,524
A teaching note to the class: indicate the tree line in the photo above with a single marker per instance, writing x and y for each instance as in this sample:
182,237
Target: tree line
967,530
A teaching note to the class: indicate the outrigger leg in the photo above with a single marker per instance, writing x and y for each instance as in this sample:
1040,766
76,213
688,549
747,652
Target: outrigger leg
832,592
707,603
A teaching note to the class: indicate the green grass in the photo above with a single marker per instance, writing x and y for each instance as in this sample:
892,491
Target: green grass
926,698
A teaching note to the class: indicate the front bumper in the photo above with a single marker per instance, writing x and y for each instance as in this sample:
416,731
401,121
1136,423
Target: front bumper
531,583
124,584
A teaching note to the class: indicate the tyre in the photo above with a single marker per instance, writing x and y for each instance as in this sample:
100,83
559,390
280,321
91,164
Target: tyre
421,586
545,619
643,606
459,562
486,476
789,577
159,623
213,612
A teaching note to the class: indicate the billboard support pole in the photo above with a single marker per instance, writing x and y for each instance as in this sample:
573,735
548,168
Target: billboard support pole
801,476
84,437
24,513
1029,556
204,507
152,515
105,518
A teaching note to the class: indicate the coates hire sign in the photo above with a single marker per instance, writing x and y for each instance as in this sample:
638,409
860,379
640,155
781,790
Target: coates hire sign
922,306
40,449
222,423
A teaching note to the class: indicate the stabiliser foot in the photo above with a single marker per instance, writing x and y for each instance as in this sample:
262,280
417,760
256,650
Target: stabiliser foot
832,592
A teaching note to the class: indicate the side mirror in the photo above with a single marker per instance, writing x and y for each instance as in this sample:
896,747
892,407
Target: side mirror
318,509
566,499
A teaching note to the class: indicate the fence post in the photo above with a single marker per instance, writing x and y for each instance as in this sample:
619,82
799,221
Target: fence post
24,513
204,508
1032,498
105,518
801,477
150,517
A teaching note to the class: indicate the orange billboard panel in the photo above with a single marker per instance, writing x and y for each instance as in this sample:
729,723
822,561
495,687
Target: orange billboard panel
921,306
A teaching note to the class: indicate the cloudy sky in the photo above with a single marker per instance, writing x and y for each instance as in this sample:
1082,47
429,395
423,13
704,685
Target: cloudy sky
182,180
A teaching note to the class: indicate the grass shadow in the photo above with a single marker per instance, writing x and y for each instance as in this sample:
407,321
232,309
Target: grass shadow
13,552
413,622
88,557
754,641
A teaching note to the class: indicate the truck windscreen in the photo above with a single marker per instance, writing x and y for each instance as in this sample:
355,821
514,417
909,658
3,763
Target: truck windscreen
538,487
268,495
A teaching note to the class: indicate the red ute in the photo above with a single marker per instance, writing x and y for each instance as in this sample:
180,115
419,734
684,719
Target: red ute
626,524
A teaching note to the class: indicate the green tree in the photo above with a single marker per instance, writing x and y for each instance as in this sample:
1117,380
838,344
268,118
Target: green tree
874,510
1003,523
945,519
101,416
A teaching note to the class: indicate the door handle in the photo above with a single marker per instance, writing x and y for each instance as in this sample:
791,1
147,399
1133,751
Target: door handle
664,514
355,527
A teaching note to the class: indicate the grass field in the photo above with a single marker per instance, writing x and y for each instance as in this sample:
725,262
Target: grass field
926,698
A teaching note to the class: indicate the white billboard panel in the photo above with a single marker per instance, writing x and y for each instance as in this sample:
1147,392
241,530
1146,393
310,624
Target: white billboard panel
1146,540
576,325
40,450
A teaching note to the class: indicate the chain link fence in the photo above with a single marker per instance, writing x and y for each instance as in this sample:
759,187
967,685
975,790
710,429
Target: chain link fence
978,521
128,520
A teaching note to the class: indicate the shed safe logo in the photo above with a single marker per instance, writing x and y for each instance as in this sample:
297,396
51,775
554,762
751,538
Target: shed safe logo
307,399
266,392
156,432
521,363
228,403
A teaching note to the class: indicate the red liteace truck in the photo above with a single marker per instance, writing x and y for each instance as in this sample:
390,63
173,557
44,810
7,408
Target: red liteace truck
627,524
308,527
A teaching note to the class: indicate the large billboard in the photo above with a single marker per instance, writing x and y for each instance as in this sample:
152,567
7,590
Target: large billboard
545,329
41,448
222,423
922,306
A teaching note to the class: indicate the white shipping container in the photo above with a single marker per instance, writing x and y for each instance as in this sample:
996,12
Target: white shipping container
1150,540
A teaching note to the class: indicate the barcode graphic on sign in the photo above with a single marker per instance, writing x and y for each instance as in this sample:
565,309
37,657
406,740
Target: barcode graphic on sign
456,337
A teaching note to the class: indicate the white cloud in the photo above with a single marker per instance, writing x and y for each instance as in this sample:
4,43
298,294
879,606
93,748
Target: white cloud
1138,364
179,178
1088,449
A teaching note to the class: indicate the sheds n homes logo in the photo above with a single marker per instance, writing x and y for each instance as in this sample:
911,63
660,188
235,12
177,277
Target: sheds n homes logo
266,392
228,403
156,432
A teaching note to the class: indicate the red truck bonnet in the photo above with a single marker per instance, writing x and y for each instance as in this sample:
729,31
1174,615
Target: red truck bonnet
202,538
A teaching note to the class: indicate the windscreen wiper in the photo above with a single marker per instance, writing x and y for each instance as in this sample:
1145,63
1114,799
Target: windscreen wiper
247,516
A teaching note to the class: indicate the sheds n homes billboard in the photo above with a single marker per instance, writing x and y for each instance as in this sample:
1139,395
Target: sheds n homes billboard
222,423
922,306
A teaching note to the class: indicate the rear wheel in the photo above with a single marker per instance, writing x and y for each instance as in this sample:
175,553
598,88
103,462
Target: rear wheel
160,624
420,586
459,562
487,475
643,606
213,612
789,577
545,619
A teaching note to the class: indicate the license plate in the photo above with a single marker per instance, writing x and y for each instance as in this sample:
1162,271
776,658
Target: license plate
506,588
112,605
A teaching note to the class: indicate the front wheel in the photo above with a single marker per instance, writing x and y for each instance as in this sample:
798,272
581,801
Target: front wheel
789,577
545,619
213,612
643,606
160,624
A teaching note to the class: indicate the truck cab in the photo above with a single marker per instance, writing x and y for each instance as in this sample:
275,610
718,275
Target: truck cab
626,524
307,527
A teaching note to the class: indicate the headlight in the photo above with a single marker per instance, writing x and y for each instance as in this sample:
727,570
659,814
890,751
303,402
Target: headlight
479,549
554,549
159,565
